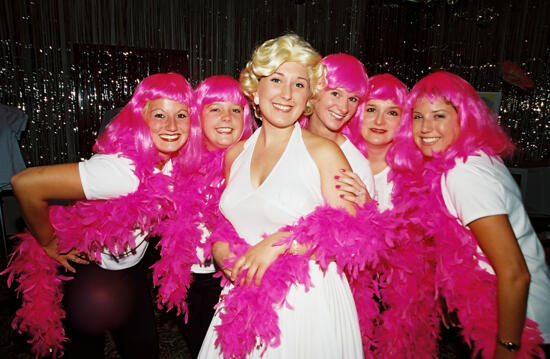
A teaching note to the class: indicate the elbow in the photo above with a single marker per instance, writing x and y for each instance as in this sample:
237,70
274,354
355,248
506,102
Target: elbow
18,179
518,279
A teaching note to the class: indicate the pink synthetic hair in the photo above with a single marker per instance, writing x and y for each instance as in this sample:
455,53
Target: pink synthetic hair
128,133
346,72
381,87
223,88
479,130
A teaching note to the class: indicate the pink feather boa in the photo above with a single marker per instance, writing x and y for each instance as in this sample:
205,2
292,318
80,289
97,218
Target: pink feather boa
91,226
353,242
196,201
453,257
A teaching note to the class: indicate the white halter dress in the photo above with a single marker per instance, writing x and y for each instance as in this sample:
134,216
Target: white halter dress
323,322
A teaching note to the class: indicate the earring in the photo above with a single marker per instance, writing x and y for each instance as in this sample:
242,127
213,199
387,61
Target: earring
256,100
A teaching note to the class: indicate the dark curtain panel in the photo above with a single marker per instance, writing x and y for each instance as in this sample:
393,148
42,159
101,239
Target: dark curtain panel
42,43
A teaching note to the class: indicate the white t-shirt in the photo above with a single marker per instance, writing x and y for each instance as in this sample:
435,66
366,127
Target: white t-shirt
483,187
204,266
111,176
359,164
383,189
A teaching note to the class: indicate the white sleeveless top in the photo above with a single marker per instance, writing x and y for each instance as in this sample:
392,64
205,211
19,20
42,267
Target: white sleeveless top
290,191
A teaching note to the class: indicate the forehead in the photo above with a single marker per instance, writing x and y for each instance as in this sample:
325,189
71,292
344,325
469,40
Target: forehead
425,103
382,103
291,68
165,104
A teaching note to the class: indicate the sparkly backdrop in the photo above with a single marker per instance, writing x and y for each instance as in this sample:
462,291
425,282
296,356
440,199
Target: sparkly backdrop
66,62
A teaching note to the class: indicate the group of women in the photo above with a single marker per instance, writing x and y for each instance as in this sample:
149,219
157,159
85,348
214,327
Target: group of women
347,178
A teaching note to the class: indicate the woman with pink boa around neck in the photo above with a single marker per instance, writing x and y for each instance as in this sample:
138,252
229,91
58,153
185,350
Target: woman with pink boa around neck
121,194
280,304
490,266
225,119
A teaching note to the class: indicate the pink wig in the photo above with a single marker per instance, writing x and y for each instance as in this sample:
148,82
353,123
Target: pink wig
223,88
346,72
381,87
128,133
479,130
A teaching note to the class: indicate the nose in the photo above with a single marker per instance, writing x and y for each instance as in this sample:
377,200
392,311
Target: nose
379,119
427,125
225,115
171,123
343,106
286,91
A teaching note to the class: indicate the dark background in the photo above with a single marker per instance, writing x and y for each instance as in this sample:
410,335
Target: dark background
66,62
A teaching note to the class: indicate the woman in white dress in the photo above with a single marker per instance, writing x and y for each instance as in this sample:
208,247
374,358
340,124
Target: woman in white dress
279,175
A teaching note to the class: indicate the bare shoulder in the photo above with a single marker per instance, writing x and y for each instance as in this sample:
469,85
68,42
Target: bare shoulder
322,150
231,154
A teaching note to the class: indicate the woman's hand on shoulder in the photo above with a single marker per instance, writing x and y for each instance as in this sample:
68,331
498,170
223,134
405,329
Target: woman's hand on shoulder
258,259
352,188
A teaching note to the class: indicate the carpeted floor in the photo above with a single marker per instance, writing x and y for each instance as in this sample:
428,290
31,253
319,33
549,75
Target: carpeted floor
14,346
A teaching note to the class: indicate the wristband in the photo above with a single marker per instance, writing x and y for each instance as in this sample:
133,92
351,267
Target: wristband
512,347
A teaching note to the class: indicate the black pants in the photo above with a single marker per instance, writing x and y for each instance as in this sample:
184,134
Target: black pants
202,296
98,300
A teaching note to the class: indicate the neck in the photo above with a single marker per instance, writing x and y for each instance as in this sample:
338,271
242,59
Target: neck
274,135
377,157
317,127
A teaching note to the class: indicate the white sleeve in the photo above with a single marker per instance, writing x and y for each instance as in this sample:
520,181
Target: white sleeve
473,192
107,176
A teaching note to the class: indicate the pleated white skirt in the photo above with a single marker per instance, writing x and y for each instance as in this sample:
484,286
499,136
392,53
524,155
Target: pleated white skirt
322,324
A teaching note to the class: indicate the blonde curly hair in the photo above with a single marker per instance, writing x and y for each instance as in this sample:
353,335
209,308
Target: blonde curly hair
267,58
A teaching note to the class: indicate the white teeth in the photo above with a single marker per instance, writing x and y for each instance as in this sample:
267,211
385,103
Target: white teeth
336,115
224,130
430,140
169,137
282,107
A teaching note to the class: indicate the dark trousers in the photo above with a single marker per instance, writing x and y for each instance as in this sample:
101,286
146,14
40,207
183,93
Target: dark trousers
202,296
98,300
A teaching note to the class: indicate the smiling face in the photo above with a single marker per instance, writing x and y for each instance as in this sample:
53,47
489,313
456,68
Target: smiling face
334,108
435,126
222,124
282,96
168,123
380,120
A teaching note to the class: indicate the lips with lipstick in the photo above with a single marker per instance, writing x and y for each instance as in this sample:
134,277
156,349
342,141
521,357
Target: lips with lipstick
378,131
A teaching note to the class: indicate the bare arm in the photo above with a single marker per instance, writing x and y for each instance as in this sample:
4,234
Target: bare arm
497,240
221,250
34,187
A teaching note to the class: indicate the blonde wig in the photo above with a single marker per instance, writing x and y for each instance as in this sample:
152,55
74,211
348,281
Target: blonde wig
267,58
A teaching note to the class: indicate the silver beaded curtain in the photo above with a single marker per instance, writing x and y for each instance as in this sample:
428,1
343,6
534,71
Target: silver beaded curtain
66,62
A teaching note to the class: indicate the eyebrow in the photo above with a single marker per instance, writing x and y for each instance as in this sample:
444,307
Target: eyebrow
281,74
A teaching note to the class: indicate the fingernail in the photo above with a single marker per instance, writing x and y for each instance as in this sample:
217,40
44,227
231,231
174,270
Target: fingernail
337,186
336,177
341,196
343,170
